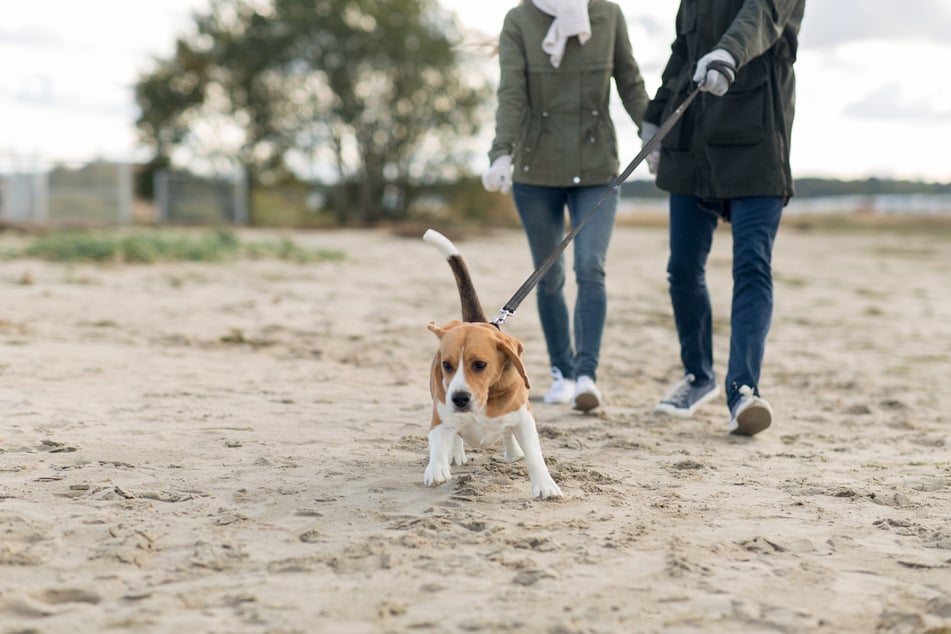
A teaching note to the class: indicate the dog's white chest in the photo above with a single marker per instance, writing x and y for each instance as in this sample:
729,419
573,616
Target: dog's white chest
478,430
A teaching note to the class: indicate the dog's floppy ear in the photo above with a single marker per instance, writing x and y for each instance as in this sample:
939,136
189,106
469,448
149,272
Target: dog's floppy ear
441,331
513,348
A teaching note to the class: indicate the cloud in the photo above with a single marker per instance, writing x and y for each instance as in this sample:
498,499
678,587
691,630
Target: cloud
29,37
651,23
885,103
829,23
35,90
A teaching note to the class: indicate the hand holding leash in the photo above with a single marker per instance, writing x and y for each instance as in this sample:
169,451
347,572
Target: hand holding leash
716,72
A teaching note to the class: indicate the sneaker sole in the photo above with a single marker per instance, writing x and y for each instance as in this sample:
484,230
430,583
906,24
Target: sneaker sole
670,410
586,402
752,421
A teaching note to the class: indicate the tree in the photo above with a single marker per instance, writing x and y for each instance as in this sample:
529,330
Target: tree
366,93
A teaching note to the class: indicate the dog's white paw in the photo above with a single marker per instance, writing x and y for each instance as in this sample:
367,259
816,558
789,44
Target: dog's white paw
437,474
458,453
546,488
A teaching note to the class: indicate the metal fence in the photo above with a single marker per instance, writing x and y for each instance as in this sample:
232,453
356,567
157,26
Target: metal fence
184,198
23,196
97,193
101,193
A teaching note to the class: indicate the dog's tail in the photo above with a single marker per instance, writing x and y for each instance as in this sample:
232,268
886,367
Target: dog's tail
471,306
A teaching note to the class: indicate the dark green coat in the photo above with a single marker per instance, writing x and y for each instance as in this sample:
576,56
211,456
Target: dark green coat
555,122
736,145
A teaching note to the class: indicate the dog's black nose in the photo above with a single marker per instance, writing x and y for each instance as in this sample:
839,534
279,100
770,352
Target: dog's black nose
460,399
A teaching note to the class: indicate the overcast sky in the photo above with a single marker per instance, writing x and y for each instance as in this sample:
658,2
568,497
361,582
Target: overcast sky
874,87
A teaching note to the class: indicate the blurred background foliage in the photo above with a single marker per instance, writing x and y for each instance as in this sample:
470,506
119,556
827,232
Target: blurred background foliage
367,105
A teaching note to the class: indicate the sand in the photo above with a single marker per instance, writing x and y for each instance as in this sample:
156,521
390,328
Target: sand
239,447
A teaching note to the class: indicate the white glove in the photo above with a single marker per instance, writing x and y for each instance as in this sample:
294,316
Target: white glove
498,178
715,80
648,130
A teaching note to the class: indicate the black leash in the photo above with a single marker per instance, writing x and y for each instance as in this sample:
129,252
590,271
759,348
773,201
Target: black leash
510,306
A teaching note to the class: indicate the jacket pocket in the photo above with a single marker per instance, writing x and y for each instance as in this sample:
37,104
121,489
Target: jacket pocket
738,117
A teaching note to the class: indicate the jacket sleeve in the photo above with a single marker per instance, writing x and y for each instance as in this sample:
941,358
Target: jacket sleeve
756,27
674,67
627,75
512,92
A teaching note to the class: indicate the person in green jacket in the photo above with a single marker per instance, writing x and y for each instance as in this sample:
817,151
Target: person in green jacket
555,147
727,158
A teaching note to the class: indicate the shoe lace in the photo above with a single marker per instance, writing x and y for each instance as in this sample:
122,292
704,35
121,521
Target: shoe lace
680,391
746,390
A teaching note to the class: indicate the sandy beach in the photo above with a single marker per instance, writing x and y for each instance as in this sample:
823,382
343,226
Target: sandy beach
239,447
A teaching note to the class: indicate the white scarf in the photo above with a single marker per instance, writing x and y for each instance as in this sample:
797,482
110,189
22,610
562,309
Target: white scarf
571,18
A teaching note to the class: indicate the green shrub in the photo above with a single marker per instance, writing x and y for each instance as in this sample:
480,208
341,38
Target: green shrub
157,246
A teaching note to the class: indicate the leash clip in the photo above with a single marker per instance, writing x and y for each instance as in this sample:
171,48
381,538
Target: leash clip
502,317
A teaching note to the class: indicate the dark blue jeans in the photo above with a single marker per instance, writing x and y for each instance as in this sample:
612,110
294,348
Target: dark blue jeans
754,222
542,210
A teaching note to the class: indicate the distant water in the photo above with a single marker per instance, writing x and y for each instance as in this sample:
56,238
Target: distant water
917,204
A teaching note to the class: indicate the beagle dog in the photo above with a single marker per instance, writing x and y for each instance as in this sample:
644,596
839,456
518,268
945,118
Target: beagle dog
479,389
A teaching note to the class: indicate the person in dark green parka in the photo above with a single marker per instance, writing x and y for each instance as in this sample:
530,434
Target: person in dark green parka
727,158
556,148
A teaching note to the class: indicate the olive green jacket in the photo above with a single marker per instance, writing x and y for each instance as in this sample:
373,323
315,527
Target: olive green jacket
555,121
736,145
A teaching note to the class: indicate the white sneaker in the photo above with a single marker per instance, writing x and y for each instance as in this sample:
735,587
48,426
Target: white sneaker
751,414
562,390
587,394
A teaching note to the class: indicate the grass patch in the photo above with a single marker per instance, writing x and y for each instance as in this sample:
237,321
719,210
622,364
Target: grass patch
922,359
872,293
901,224
938,225
145,247
287,249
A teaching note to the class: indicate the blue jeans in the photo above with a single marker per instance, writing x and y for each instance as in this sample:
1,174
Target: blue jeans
542,210
754,223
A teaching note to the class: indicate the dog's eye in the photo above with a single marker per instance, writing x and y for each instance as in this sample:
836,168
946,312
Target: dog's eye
447,366
478,366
